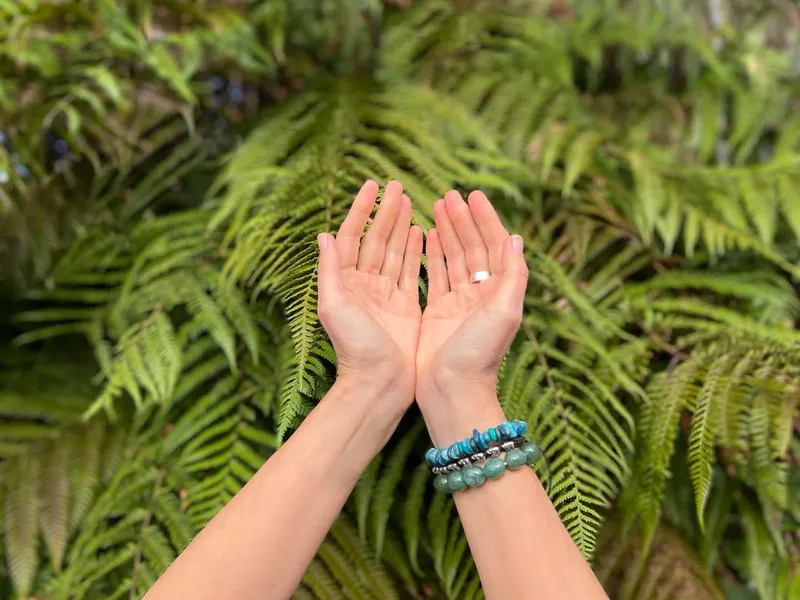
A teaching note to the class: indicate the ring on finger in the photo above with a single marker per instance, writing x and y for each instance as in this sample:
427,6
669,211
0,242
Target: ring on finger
478,276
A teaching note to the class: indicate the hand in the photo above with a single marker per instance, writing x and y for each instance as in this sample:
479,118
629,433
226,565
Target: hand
467,327
368,296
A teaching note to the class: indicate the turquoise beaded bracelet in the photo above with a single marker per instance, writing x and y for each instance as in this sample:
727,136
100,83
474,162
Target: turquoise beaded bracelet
492,452
476,476
479,442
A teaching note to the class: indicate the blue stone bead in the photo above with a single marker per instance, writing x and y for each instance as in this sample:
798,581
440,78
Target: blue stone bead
506,430
441,459
485,440
430,456
451,453
492,433
455,452
455,481
440,483
473,476
476,438
522,427
466,448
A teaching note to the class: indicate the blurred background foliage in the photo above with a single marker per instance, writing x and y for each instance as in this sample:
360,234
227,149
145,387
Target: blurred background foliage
164,166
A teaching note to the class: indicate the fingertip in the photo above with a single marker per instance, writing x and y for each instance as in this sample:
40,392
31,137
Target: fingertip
322,241
453,198
433,246
406,201
516,243
394,186
415,238
369,190
477,199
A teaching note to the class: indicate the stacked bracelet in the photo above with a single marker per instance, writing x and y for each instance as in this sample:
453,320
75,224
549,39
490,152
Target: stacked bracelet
479,442
479,457
475,476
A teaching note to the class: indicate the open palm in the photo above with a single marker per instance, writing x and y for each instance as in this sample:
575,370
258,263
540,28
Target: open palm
368,298
467,327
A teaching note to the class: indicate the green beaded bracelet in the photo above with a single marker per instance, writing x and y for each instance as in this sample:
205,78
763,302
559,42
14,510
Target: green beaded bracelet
476,476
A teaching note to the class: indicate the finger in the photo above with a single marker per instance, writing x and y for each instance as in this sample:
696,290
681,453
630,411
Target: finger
349,236
437,270
514,278
469,235
373,248
329,274
413,257
396,246
491,228
457,270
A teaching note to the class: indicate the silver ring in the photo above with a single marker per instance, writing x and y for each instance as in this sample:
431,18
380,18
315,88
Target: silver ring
478,276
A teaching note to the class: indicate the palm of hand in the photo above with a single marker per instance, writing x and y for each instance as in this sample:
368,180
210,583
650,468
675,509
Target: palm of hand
467,327
459,330
381,322
368,297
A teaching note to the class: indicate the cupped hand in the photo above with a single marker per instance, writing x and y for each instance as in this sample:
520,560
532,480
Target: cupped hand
368,295
467,327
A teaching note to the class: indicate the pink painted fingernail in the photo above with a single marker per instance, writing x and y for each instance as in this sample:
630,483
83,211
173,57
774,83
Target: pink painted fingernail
322,241
516,243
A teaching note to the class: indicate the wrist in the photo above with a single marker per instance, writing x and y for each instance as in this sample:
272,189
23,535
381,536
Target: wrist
378,398
394,384
453,406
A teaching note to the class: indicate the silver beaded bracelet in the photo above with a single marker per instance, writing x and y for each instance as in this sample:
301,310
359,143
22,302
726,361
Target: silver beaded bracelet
480,457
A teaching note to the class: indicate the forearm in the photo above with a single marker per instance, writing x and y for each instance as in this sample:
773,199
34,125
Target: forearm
515,535
260,544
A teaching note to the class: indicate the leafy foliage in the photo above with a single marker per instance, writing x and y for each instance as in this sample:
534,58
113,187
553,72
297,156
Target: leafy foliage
165,166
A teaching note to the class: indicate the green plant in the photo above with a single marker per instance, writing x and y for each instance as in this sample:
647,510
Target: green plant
160,289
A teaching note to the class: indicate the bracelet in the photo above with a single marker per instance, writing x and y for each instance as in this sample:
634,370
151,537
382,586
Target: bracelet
491,452
479,442
476,476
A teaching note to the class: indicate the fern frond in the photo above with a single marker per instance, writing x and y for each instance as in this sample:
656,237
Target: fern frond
701,436
387,481
21,520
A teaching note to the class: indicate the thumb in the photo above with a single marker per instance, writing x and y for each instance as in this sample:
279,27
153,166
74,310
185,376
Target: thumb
329,272
514,280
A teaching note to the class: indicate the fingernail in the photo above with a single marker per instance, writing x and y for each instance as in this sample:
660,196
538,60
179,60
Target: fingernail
516,243
322,241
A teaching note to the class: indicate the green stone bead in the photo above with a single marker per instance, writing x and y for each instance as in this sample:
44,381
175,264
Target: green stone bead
455,481
516,459
494,468
440,483
473,476
533,452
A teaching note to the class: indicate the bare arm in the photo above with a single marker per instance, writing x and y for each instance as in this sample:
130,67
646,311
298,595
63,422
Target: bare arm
519,544
260,544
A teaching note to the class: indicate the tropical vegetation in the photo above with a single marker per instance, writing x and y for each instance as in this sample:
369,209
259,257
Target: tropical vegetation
166,164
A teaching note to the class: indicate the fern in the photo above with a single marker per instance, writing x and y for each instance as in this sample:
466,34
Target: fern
163,172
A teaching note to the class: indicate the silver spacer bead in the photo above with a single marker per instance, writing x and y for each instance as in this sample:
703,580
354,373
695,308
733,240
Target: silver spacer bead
493,451
464,462
479,457
507,446
452,467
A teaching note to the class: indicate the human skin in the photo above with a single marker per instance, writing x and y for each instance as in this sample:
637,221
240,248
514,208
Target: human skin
260,544
518,542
